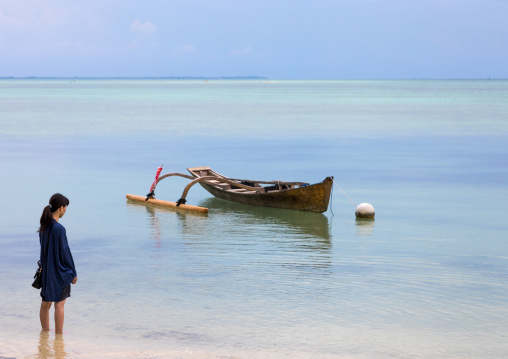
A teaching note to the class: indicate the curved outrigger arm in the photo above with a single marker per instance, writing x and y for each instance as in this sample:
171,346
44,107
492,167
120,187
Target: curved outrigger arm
152,193
174,174
182,200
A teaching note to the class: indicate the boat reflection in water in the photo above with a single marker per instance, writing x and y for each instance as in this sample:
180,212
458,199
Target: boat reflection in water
274,242
230,216
270,241
314,225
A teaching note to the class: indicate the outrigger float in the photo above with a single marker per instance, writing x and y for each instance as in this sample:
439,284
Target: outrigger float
299,196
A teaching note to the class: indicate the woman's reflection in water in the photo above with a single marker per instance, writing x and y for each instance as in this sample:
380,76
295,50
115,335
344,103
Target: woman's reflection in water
59,346
51,348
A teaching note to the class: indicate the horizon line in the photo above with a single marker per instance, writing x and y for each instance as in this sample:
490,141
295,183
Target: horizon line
231,78
134,77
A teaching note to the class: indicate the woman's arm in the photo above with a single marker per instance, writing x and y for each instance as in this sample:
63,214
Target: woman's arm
65,254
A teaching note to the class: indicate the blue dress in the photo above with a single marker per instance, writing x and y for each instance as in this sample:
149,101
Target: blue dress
58,269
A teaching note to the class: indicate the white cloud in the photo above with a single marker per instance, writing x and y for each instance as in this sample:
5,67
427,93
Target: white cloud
10,21
184,49
139,28
241,52
145,33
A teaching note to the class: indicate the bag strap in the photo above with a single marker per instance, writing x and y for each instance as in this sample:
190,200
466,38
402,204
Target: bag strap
47,246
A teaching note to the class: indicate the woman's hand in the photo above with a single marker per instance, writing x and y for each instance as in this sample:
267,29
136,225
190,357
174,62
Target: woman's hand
74,280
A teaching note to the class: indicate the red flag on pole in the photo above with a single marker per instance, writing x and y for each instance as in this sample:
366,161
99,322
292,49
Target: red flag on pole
151,194
156,178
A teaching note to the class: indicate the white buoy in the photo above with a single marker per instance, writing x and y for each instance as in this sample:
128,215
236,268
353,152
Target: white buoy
365,210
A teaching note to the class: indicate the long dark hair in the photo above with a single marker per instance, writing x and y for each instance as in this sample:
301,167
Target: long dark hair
56,201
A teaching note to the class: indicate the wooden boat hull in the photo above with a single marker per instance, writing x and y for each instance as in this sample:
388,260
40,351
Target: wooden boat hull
311,198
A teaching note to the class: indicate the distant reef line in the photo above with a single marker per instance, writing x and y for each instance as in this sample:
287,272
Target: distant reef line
134,78
257,78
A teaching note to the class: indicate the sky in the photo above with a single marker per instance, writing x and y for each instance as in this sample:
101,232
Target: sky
276,39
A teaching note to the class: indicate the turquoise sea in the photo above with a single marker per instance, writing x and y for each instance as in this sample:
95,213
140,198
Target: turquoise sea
428,278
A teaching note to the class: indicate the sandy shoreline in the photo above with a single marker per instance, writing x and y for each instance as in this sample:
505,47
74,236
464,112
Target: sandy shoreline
50,345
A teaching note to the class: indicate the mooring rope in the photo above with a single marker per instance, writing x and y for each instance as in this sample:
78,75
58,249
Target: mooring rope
344,193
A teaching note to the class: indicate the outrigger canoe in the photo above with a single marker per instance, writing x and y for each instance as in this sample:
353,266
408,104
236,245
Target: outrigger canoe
299,196
278,194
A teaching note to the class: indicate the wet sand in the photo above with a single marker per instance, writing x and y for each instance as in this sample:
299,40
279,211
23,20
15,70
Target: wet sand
51,345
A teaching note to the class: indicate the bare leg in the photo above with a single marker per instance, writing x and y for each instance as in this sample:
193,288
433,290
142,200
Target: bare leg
44,315
59,316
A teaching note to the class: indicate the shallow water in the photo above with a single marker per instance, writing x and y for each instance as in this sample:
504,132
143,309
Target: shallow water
426,279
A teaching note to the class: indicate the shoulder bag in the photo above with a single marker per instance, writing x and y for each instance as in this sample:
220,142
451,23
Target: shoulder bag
37,284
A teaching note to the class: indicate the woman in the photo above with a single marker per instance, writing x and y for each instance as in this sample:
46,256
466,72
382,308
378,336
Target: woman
58,269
